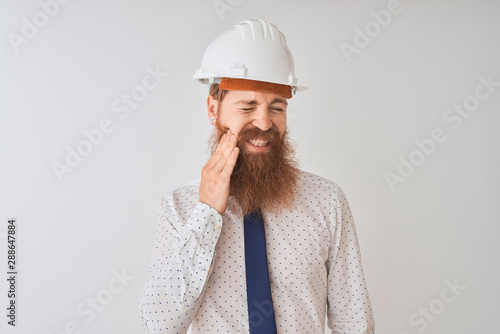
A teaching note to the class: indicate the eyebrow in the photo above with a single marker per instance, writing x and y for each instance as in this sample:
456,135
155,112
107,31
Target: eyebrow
253,102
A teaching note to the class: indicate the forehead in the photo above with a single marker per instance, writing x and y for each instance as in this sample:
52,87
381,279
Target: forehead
243,97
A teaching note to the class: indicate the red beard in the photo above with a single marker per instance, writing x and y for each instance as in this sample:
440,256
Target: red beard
262,180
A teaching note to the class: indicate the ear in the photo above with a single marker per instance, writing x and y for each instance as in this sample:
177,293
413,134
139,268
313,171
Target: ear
212,106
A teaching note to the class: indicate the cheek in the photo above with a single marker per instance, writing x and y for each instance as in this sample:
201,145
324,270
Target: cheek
240,122
280,123
235,125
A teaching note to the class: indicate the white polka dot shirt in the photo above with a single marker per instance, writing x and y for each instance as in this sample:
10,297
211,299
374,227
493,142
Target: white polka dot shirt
197,281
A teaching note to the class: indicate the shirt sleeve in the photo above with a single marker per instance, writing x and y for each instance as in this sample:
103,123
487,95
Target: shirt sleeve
348,304
181,263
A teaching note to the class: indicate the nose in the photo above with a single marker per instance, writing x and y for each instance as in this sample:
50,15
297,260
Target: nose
262,120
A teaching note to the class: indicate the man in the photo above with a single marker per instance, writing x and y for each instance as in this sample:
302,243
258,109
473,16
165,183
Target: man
256,245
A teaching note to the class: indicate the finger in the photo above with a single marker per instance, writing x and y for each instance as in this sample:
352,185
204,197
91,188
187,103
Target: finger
222,144
230,145
218,166
231,161
218,154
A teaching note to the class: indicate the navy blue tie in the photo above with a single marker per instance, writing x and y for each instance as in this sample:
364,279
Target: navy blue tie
260,302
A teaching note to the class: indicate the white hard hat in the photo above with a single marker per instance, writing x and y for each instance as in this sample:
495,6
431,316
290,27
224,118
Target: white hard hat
252,50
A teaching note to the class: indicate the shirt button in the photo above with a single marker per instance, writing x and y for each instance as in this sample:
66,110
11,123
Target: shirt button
217,227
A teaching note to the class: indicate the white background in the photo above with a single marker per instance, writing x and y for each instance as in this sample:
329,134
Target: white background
351,125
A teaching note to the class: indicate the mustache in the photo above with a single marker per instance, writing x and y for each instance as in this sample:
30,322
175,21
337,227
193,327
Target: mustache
265,180
272,134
